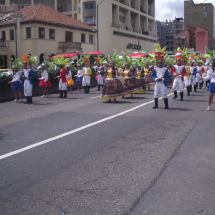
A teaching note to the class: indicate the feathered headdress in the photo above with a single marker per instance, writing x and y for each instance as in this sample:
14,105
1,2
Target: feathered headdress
159,53
178,54
16,64
99,60
210,55
60,62
47,64
169,62
200,59
26,58
86,59
114,59
80,61
192,58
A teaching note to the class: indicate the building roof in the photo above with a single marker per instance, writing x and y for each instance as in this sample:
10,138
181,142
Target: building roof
45,14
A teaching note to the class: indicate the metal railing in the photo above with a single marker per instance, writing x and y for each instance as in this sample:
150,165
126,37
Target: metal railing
120,27
91,23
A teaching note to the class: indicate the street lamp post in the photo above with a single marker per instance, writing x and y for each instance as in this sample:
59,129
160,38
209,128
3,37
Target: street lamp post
97,17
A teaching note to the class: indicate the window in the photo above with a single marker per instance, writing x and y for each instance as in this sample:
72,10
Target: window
68,36
79,10
51,34
42,33
28,33
167,37
91,39
12,34
83,38
89,5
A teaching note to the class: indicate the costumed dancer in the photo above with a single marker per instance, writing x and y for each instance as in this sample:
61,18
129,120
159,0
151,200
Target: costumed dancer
113,87
205,74
206,69
130,84
140,75
86,74
147,74
178,72
69,81
60,62
184,59
169,63
44,80
99,70
28,75
160,75
200,70
211,87
16,82
193,71
79,76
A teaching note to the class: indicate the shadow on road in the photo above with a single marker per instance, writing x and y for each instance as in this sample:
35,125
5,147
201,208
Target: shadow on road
180,109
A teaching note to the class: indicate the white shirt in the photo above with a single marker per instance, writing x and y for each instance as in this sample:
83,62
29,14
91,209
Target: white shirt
16,77
79,73
69,75
44,75
26,72
210,76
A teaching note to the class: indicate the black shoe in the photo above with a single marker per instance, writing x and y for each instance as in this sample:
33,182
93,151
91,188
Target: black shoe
176,96
166,103
85,88
65,94
200,86
156,103
27,100
98,88
61,94
30,100
188,91
88,89
197,84
195,87
181,95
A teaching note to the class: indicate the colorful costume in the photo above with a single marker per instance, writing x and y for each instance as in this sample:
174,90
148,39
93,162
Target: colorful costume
69,81
193,71
79,76
86,75
160,75
44,82
200,70
178,72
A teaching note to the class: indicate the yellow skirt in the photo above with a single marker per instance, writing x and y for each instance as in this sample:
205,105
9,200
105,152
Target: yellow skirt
69,82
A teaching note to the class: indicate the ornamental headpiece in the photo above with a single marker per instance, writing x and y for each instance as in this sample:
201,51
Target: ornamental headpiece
159,53
99,60
60,61
192,58
178,54
26,58
210,55
47,64
86,59
16,64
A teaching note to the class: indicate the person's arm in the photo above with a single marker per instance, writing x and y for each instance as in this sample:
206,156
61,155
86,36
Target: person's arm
166,75
46,76
174,71
154,75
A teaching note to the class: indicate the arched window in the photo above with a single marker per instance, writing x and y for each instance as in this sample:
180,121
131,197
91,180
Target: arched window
41,58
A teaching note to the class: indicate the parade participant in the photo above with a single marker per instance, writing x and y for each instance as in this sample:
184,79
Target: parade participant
69,81
28,75
184,59
200,70
147,74
86,74
130,83
16,82
178,72
211,87
99,70
44,80
206,69
79,76
160,75
61,62
113,87
205,74
140,75
193,71
169,64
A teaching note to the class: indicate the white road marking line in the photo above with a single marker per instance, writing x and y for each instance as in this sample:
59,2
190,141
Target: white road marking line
74,131
94,97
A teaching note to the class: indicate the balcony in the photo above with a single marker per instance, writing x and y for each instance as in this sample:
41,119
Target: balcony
20,6
64,8
91,23
142,9
125,2
120,27
67,47
151,13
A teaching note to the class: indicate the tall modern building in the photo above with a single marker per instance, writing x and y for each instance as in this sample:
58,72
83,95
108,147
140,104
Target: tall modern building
199,15
125,25
173,27
161,33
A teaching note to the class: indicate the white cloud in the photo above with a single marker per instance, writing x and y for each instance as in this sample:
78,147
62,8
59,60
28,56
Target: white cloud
168,10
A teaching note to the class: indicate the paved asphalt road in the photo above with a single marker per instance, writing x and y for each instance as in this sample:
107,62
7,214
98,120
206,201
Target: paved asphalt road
129,159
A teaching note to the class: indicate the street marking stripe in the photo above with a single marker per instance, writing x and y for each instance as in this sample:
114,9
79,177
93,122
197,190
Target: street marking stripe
94,97
73,131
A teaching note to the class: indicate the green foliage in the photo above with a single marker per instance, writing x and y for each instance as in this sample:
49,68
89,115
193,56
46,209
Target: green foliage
60,62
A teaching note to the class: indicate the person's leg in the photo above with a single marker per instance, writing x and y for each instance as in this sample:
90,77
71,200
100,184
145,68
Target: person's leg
209,100
156,94
15,95
175,87
46,91
19,94
164,95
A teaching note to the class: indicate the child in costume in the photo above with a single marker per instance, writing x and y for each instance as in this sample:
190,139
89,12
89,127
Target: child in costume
86,74
28,74
79,76
178,72
16,82
160,75
200,70
61,62
69,81
99,72
44,80
193,71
